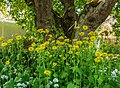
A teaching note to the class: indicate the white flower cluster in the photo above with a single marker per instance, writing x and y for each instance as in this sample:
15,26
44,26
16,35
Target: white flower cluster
21,85
4,77
55,82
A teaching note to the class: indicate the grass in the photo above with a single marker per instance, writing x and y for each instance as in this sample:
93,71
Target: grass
10,29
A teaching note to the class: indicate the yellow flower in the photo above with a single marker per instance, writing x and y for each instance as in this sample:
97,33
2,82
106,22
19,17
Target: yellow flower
92,38
85,27
64,58
2,38
50,56
66,40
60,55
69,45
77,27
40,30
41,48
33,44
98,53
47,72
111,55
76,53
97,59
57,42
92,33
54,47
7,62
54,64
9,40
50,35
37,49
46,31
47,43
104,54
70,52
62,43
91,44
78,42
49,39
4,44
75,40
61,37
42,45
30,49
18,37
81,34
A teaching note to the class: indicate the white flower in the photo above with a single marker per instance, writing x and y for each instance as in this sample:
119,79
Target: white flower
55,80
23,85
50,83
4,77
19,84
56,85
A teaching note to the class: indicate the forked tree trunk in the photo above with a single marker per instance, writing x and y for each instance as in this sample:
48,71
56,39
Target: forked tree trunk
94,15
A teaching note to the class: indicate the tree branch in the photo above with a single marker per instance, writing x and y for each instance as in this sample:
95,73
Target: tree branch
95,15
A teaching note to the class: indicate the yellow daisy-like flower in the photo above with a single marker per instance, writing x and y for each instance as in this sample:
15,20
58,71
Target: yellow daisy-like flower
66,40
9,40
92,38
76,53
78,42
91,44
50,56
97,59
81,34
74,40
46,31
62,43
40,30
50,35
47,72
69,45
54,47
30,49
85,27
64,58
54,64
92,33
37,49
4,44
60,55
98,53
47,43
70,52
2,38
57,42
61,37
104,54
33,44
18,37
7,62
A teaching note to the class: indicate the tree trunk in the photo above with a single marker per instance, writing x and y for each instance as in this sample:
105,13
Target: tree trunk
44,16
94,13
95,16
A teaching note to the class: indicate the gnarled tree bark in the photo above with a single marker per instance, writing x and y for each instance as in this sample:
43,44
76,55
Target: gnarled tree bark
94,15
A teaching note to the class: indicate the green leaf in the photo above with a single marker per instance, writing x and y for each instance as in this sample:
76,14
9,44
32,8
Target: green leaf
77,81
9,84
100,80
64,74
95,76
70,85
106,86
91,79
